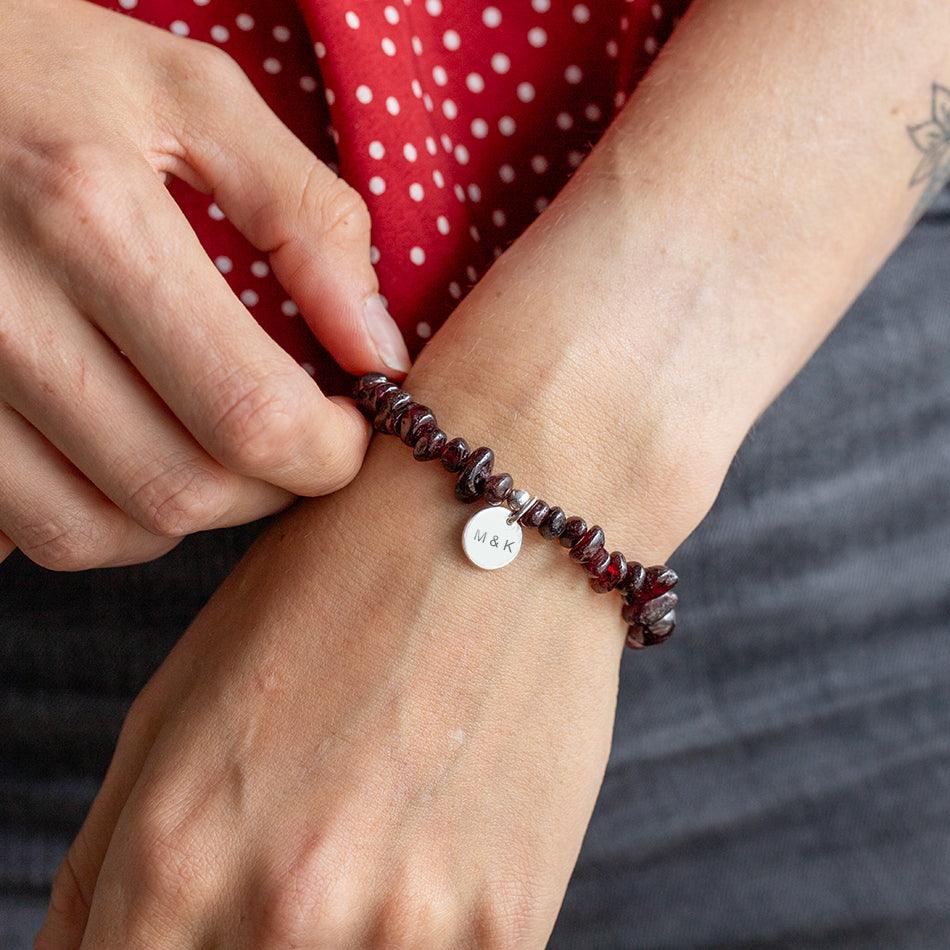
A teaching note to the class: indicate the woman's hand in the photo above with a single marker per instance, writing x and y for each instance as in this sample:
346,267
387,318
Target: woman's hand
405,756
139,399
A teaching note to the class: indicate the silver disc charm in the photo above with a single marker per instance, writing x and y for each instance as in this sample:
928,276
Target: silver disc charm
489,541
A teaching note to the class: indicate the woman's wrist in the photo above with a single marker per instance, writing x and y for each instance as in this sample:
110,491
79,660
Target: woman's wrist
562,364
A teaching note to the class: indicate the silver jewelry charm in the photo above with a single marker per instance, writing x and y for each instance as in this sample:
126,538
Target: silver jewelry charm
490,540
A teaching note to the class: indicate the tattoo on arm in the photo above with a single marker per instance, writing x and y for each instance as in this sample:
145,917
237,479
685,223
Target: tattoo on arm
932,139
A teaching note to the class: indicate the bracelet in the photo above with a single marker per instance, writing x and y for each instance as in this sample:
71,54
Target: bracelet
492,536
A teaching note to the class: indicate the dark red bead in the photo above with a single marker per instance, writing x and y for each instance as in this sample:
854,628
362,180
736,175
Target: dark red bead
632,584
553,524
379,420
535,515
636,637
474,474
365,382
396,411
362,399
650,612
659,579
498,488
589,542
375,393
454,454
611,575
387,406
574,529
414,421
598,562
661,630
385,400
429,445
657,608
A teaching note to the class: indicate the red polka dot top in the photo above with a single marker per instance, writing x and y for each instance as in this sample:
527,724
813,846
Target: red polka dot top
457,120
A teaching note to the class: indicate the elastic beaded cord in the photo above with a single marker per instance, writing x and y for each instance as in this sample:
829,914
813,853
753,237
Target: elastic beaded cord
648,599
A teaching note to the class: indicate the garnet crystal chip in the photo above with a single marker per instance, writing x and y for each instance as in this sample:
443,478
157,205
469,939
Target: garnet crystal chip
610,575
598,562
429,445
574,528
397,408
661,630
454,454
631,587
375,393
587,544
474,474
365,383
650,612
553,524
659,579
636,637
388,407
535,515
498,488
414,422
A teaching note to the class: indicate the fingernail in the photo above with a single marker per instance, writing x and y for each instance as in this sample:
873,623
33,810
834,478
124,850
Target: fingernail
385,334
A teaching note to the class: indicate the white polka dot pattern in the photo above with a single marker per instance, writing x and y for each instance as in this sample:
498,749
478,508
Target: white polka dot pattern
458,123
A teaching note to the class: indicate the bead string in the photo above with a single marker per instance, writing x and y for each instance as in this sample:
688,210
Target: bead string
648,598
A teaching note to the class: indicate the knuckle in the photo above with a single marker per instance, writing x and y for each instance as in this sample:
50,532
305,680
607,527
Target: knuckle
310,901
176,498
422,907
75,208
342,212
194,76
506,917
287,920
205,68
291,916
167,864
258,422
76,177
68,541
405,921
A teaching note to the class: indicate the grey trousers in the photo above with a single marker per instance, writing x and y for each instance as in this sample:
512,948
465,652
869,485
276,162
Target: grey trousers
780,774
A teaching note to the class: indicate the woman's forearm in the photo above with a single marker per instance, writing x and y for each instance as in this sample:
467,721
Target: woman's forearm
744,196
763,173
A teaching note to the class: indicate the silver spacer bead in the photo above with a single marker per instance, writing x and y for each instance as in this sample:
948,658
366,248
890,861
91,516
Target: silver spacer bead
516,498
516,513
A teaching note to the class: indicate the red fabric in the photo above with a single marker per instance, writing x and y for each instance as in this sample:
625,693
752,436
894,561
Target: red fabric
458,121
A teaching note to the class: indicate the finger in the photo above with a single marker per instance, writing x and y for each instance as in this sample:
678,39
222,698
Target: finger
56,517
74,885
96,409
315,227
7,547
141,275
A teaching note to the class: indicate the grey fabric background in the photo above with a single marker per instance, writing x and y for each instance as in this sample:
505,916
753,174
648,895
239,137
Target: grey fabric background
781,770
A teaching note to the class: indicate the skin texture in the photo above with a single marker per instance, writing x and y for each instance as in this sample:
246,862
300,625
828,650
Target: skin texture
362,741
137,406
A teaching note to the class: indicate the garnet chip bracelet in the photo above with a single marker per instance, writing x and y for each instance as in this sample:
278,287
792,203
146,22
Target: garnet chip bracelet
492,536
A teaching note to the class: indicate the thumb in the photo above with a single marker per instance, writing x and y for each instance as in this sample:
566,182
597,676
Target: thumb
314,226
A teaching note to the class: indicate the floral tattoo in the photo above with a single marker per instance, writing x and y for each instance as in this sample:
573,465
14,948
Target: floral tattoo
932,138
